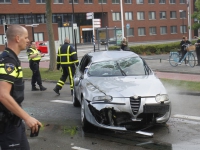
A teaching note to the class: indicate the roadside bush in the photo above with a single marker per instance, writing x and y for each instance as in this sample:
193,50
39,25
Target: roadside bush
153,48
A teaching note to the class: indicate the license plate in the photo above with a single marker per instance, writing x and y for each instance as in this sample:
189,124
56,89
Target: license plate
156,108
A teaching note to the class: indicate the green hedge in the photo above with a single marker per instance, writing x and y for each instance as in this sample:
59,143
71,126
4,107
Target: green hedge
152,48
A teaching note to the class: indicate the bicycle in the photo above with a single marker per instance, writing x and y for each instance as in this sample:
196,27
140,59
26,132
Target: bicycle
174,58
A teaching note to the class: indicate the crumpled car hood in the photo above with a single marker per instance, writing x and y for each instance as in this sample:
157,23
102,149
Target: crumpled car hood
127,86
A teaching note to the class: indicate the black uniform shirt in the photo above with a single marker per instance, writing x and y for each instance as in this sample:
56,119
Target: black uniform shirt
8,67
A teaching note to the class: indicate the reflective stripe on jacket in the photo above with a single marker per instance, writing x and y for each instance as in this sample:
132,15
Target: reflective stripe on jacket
66,57
35,51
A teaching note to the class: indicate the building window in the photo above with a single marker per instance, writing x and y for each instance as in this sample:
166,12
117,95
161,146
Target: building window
2,39
39,36
172,1
23,1
75,1
140,1
5,1
88,1
116,16
163,30
40,1
182,1
140,15
162,1
58,1
152,31
115,1
173,29
182,14
163,15
172,14
183,29
152,15
102,1
151,1
141,31
128,16
128,1
130,32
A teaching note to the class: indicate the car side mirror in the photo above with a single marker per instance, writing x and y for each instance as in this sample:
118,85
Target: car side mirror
76,81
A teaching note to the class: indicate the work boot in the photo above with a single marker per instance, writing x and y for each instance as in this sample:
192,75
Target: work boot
42,88
56,89
35,89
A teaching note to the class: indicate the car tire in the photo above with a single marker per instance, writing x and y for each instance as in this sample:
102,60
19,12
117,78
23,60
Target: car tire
75,100
85,124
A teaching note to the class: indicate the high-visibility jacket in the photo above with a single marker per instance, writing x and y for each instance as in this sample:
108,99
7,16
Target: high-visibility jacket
31,51
66,55
11,72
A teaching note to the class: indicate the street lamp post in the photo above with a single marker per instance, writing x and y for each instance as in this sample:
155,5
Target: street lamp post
181,11
73,31
32,27
122,19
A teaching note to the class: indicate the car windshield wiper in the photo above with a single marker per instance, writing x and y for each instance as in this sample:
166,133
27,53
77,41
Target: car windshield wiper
123,73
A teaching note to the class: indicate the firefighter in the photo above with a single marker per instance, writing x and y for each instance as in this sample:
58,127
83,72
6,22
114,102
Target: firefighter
67,59
12,128
34,57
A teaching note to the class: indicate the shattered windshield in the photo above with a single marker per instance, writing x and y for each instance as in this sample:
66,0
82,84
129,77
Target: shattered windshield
132,66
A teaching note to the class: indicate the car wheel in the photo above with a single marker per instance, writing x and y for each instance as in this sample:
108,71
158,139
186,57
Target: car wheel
84,122
75,100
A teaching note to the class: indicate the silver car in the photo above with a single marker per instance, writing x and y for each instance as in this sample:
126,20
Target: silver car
117,89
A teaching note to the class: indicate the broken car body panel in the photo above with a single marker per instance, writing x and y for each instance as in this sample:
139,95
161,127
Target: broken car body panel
119,89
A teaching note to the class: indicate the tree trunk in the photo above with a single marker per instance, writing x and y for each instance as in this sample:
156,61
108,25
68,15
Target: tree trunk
52,51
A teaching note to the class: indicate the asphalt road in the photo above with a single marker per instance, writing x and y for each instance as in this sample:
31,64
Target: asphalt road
62,125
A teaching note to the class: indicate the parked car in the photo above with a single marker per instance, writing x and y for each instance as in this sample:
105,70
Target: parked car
42,46
117,89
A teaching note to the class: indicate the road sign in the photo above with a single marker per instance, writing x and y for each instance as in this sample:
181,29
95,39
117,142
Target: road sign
89,15
74,25
128,26
97,23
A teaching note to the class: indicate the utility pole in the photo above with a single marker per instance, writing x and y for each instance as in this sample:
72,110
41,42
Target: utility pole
32,27
122,19
73,31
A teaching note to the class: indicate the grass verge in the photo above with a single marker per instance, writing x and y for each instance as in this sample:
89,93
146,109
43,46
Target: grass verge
185,85
55,76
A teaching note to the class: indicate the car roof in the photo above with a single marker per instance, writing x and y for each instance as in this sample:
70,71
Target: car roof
110,55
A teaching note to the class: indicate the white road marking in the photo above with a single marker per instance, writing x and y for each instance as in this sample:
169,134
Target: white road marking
187,117
79,148
61,101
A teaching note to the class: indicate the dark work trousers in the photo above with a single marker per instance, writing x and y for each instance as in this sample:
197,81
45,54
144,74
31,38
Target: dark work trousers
14,138
36,77
183,52
68,70
198,55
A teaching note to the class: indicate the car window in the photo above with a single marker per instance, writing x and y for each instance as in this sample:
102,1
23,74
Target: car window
131,66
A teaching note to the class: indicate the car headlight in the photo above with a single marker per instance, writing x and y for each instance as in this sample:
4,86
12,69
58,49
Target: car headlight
106,98
162,98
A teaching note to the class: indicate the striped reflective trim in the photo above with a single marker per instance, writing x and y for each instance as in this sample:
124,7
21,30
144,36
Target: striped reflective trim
71,78
60,84
35,51
67,54
7,81
60,81
17,73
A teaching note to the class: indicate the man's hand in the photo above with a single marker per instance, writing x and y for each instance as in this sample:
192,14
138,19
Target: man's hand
32,123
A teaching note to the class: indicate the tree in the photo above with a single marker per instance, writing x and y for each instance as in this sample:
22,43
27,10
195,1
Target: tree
52,64
196,15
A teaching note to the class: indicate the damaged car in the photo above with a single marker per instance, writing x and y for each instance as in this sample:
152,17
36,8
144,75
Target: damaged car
117,89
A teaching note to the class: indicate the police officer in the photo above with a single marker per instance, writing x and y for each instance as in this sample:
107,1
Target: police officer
12,128
67,59
198,51
34,57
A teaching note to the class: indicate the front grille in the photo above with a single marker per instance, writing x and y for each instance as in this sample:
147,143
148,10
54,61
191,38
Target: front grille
135,104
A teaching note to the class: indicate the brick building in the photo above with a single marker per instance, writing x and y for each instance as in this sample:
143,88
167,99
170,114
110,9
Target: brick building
149,20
